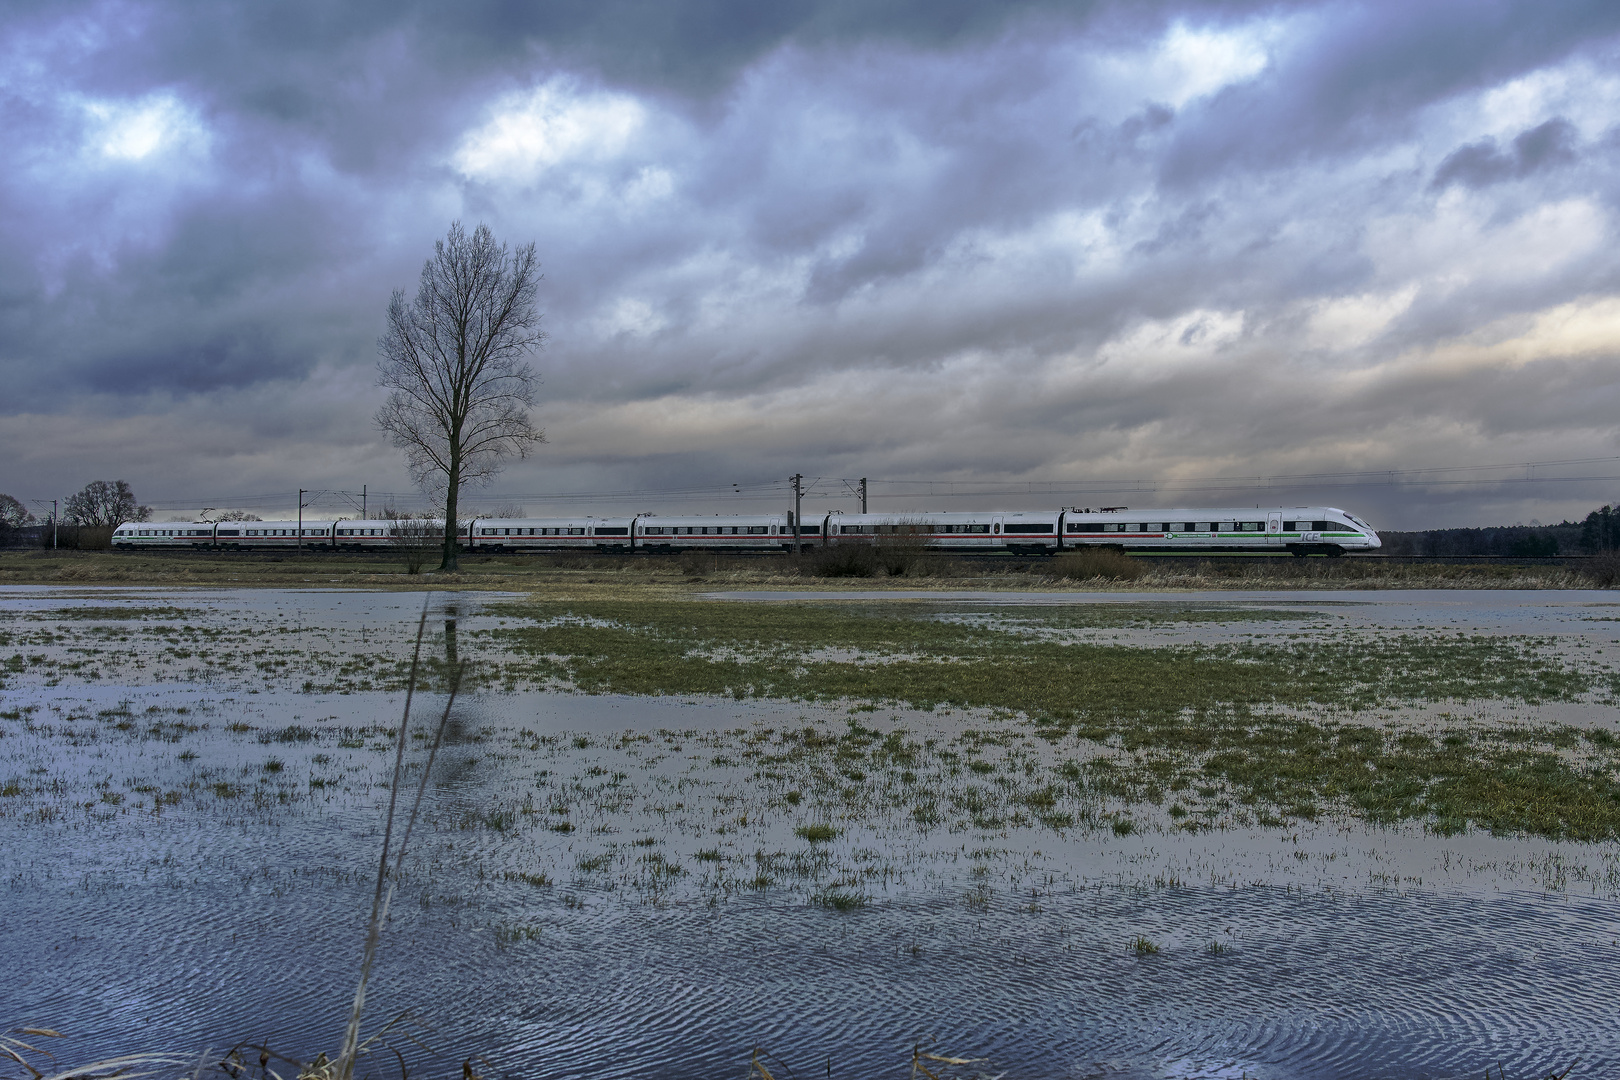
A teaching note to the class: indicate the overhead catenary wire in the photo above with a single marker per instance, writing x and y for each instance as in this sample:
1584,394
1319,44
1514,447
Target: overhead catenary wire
1507,475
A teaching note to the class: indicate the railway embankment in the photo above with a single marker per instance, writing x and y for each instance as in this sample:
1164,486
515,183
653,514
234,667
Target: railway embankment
640,572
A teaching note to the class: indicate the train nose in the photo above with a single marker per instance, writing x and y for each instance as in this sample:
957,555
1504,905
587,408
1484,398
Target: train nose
1373,541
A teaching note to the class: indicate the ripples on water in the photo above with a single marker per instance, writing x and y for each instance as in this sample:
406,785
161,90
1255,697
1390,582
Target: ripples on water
1314,986
187,929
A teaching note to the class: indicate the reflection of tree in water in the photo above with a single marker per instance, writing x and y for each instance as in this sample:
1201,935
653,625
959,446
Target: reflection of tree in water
454,731
451,611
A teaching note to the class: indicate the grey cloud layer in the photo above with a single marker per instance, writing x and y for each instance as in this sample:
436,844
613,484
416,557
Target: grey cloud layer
943,239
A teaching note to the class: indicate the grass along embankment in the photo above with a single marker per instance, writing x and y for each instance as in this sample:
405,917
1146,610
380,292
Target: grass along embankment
383,570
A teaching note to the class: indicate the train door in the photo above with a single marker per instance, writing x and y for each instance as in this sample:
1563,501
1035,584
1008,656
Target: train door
1274,528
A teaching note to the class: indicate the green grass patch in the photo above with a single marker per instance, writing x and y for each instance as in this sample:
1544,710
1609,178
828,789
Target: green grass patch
1248,719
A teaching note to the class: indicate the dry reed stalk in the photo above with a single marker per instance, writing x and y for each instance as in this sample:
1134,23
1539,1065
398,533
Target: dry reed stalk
756,1067
918,1056
343,1067
123,1067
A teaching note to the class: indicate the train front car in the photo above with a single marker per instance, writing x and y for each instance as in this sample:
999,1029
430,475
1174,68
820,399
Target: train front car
744,532
1302,530
1326,530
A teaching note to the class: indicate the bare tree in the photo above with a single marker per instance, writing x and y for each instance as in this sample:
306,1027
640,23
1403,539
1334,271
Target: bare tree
454,359
414,539
107,503
238,515
13,514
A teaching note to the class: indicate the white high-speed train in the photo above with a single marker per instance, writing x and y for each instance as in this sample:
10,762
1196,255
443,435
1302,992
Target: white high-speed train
1303,530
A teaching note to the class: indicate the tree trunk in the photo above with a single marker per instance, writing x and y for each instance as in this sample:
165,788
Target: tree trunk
452,532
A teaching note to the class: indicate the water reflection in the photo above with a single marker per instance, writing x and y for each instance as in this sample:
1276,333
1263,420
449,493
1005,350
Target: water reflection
451,611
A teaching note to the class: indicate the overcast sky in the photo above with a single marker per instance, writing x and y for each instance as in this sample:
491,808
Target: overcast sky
922,239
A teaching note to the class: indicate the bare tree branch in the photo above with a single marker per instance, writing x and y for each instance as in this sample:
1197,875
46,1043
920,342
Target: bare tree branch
454,359
107,503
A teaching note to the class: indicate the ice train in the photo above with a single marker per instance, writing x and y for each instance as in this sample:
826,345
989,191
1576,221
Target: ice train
1302,530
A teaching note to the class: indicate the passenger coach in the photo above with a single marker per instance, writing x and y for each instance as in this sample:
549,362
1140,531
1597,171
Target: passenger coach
1303,530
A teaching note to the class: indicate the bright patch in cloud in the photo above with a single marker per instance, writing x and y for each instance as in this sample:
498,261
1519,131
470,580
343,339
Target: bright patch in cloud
1192,62
1586,328
552,124
136,130
1199,62
1461,244
632,317
1169,343
1349,321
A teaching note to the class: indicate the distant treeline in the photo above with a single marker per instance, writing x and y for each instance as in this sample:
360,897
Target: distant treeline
68,536
1599,531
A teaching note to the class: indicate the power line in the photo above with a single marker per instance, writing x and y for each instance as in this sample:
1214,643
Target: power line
1429,477
1515,474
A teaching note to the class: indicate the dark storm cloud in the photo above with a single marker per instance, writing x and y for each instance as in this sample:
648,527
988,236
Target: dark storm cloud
1482,163
931,237
1360,78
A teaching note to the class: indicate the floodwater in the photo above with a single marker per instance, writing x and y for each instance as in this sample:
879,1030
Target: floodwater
188,841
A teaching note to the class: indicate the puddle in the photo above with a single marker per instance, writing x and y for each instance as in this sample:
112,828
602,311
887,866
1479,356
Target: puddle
187,862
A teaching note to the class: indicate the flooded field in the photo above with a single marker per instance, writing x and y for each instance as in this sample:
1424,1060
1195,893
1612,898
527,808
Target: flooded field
1179,835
